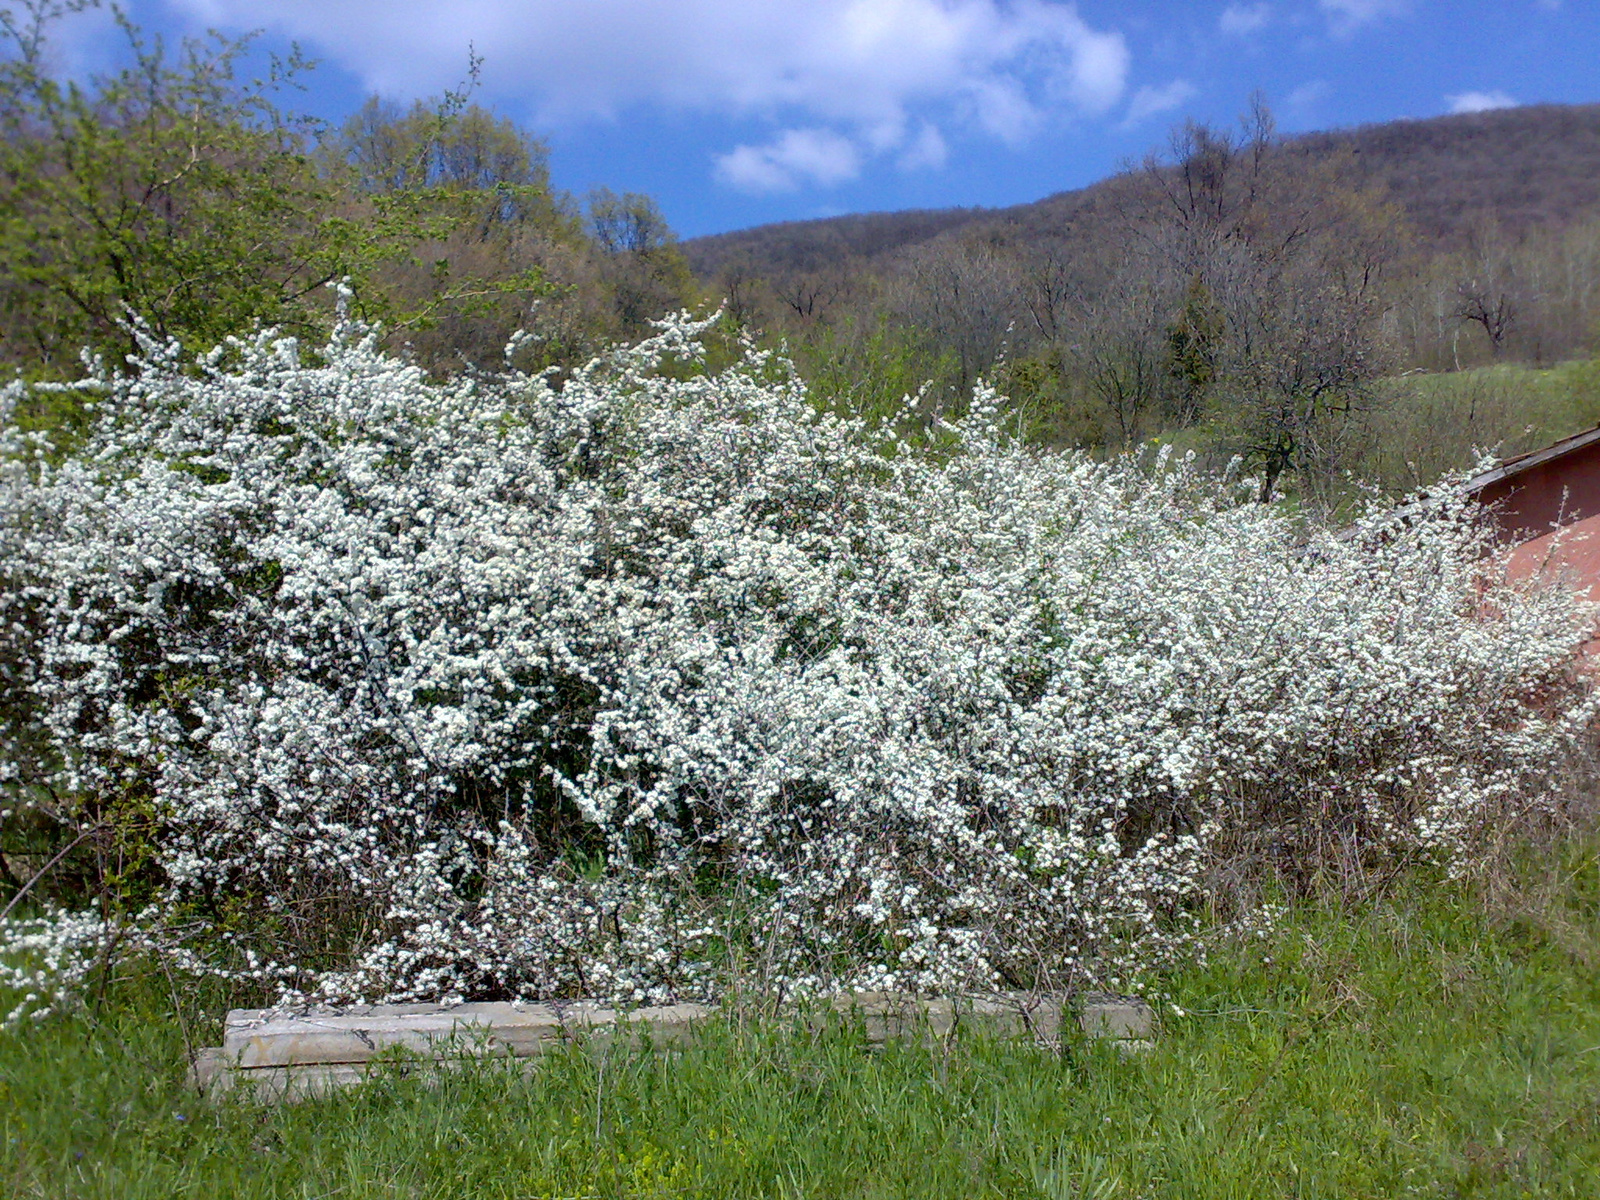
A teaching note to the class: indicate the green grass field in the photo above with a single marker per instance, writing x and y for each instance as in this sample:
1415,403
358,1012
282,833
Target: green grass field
1433,1044
1424,425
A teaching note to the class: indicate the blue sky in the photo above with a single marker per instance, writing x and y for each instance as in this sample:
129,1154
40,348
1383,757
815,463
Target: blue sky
739,112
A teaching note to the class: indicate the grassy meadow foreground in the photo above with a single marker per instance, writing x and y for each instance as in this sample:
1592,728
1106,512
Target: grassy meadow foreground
1438,1042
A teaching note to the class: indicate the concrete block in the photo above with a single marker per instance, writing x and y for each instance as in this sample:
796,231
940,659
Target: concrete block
1115,1017
255,1039
209,1065
301,1082
599,1023
1018,1014
291,1055
889,1015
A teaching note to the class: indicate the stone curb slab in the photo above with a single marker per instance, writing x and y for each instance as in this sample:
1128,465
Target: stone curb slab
293,1055
256,1038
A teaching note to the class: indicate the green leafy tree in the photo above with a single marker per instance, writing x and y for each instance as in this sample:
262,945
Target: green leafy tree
876,371
171,189
1193,343
177,191
641,266
473,239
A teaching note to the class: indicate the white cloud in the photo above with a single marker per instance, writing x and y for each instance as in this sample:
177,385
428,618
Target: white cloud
1346,16
818,157
89,44
927,152
842,80
855,64
1003,109
1471,102
794,158
1241,20
1307,96
1148,102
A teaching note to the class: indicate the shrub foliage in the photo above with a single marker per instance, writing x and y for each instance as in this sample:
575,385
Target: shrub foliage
324,674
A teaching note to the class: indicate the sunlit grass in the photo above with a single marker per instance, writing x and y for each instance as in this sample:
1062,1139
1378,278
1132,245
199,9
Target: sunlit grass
1425,425
1427,1045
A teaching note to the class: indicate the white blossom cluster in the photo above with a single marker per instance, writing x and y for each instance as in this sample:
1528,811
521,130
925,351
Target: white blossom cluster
658,679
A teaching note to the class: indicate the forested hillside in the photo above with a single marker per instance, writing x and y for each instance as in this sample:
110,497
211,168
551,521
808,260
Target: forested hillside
1249,296
1529,168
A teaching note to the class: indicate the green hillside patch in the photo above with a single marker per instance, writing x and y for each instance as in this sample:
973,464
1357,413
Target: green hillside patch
1435,423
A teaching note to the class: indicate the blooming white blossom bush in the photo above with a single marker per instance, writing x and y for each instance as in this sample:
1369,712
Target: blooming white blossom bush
659,679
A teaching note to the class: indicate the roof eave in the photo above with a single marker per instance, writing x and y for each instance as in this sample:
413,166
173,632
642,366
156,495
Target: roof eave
1526,462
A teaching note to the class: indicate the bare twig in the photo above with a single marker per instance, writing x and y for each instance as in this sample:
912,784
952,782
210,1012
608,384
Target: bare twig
48,867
